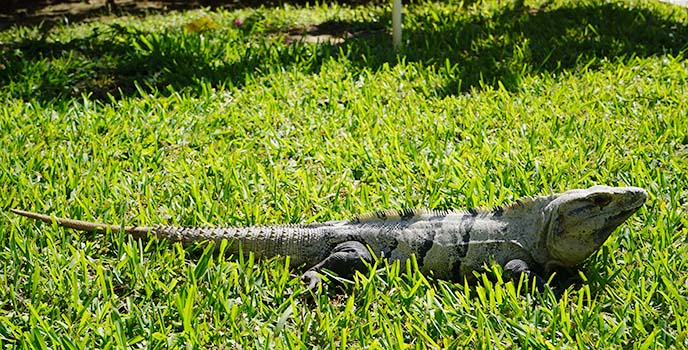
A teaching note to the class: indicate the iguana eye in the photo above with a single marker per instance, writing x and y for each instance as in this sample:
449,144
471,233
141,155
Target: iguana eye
601,199
590,205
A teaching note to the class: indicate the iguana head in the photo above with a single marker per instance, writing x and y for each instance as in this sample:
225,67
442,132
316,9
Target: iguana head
578,222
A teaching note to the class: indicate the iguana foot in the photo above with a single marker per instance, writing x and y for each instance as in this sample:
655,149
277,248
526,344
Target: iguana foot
344,260
517,267
312,279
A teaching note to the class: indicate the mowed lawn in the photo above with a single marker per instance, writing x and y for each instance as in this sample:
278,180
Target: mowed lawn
246,116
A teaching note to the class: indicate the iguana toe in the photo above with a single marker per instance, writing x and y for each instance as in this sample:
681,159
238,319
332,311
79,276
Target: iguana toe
312,279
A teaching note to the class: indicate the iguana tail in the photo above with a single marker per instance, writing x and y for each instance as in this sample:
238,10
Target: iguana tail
136,231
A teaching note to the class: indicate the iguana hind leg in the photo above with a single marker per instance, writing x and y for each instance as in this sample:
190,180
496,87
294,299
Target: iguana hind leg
517,267
345,259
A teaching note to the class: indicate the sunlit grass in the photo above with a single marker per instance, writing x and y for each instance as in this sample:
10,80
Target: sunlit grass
137,121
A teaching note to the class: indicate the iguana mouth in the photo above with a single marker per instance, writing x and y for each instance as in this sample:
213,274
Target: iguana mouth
611,224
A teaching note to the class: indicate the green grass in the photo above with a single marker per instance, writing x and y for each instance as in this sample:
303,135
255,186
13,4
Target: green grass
136,121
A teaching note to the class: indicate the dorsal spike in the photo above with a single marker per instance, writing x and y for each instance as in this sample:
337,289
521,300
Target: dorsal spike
399,214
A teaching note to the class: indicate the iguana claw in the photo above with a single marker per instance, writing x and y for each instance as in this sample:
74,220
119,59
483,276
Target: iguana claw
517,267
312,279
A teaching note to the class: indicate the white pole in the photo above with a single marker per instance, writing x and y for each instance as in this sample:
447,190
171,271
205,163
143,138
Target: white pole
396,23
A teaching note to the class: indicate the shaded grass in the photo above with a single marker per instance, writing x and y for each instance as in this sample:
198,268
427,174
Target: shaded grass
478,43
320,132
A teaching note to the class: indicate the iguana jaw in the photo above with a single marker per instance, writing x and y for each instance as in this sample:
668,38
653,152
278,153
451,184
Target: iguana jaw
578,222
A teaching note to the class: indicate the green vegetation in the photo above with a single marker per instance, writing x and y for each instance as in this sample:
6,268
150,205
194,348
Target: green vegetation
138,120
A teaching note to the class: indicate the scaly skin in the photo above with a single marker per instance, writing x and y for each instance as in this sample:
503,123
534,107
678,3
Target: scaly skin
532,236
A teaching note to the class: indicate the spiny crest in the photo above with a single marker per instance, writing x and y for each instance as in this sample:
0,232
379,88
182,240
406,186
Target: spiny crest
517,204
408,214
394,214
520,202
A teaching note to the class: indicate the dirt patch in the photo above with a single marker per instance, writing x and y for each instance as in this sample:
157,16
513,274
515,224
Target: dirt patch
28,12
333,32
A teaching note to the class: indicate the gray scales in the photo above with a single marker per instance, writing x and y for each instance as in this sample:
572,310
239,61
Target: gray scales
534,236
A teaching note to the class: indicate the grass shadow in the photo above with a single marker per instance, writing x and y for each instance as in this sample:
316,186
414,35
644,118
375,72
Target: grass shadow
122,61
483,50
503,48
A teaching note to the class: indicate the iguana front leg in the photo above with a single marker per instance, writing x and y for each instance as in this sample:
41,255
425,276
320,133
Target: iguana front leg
345,259
517,267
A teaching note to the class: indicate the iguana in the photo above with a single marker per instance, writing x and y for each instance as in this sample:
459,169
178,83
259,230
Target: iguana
531,236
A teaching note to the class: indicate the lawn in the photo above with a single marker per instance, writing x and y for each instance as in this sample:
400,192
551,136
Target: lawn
240,117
